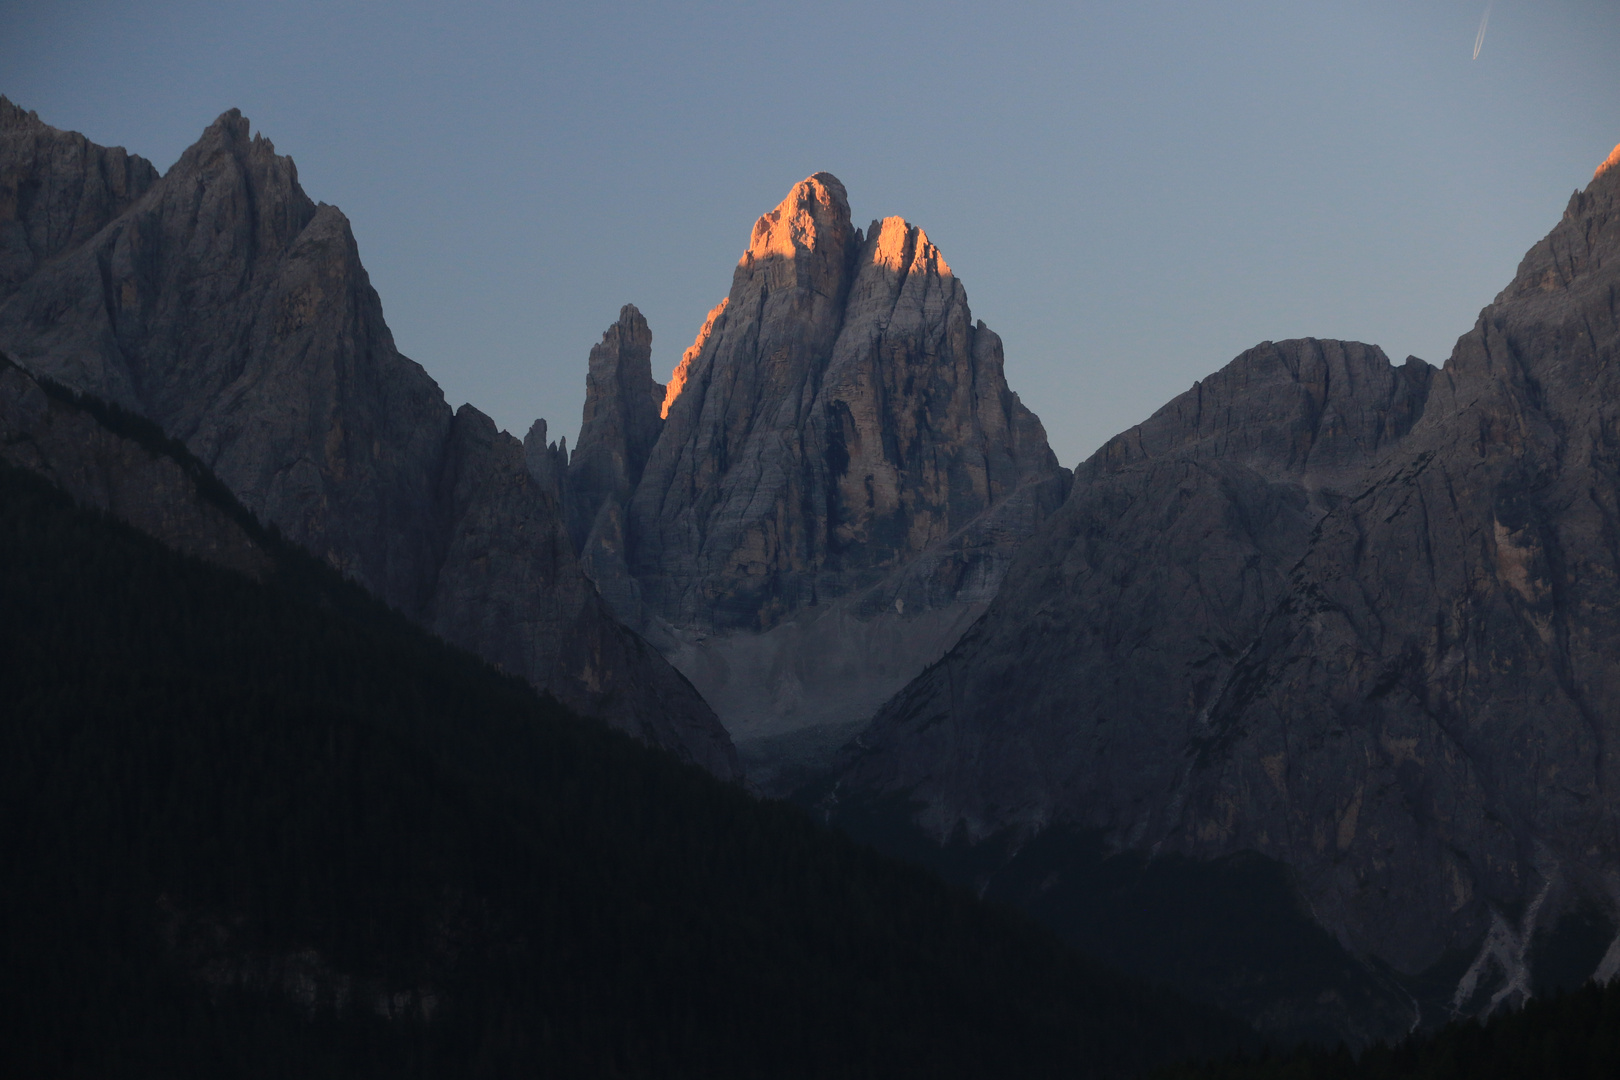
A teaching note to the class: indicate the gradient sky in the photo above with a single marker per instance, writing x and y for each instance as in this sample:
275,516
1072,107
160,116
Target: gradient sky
1132,194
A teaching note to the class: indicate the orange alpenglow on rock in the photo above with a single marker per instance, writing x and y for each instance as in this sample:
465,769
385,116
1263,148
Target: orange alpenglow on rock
1608,163
904,249
677,378
790,230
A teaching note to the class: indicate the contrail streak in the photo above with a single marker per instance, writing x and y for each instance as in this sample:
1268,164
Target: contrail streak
1479,39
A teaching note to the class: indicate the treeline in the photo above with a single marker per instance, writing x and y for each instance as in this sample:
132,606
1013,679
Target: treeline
271,828
147,434
1568,1036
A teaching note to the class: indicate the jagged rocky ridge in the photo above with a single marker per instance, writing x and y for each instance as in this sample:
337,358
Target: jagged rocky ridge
1355,618
1362,620
831,486
224,304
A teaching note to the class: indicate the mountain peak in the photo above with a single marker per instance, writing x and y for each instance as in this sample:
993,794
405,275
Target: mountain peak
620,422
817,208
57,190
229,124
1608,163
233,133
14,115
901,246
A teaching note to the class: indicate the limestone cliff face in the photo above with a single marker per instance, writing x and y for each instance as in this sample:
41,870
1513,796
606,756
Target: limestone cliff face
683,370
726,520
232,310
510,589
622,421
57,190
842,473
1168,556
1358,618
927,447
842,416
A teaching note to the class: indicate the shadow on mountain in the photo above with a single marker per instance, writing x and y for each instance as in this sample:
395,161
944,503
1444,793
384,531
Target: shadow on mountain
1232,932
270,828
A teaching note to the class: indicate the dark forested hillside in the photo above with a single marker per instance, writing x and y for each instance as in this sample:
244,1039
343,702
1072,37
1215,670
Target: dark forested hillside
270,828
1569,1036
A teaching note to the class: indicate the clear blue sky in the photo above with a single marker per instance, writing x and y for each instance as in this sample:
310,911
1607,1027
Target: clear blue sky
1132,193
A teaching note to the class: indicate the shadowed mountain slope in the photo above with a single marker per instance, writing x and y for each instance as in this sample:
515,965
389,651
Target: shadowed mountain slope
269,827
1564,1035
228,307
1360,620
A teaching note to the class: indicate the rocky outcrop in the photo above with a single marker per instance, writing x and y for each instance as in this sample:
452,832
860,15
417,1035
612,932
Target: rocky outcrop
622,421
1358,619
547,462
232,310
57,190
841,477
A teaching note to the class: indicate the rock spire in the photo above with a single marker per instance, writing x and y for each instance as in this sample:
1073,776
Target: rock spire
621,423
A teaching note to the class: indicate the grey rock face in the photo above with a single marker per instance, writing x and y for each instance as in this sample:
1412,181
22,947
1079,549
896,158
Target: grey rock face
234,312
510,589
1357,618
844,416
227,306
840,480
621,421
722,525
57,190
1169,554
547,462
